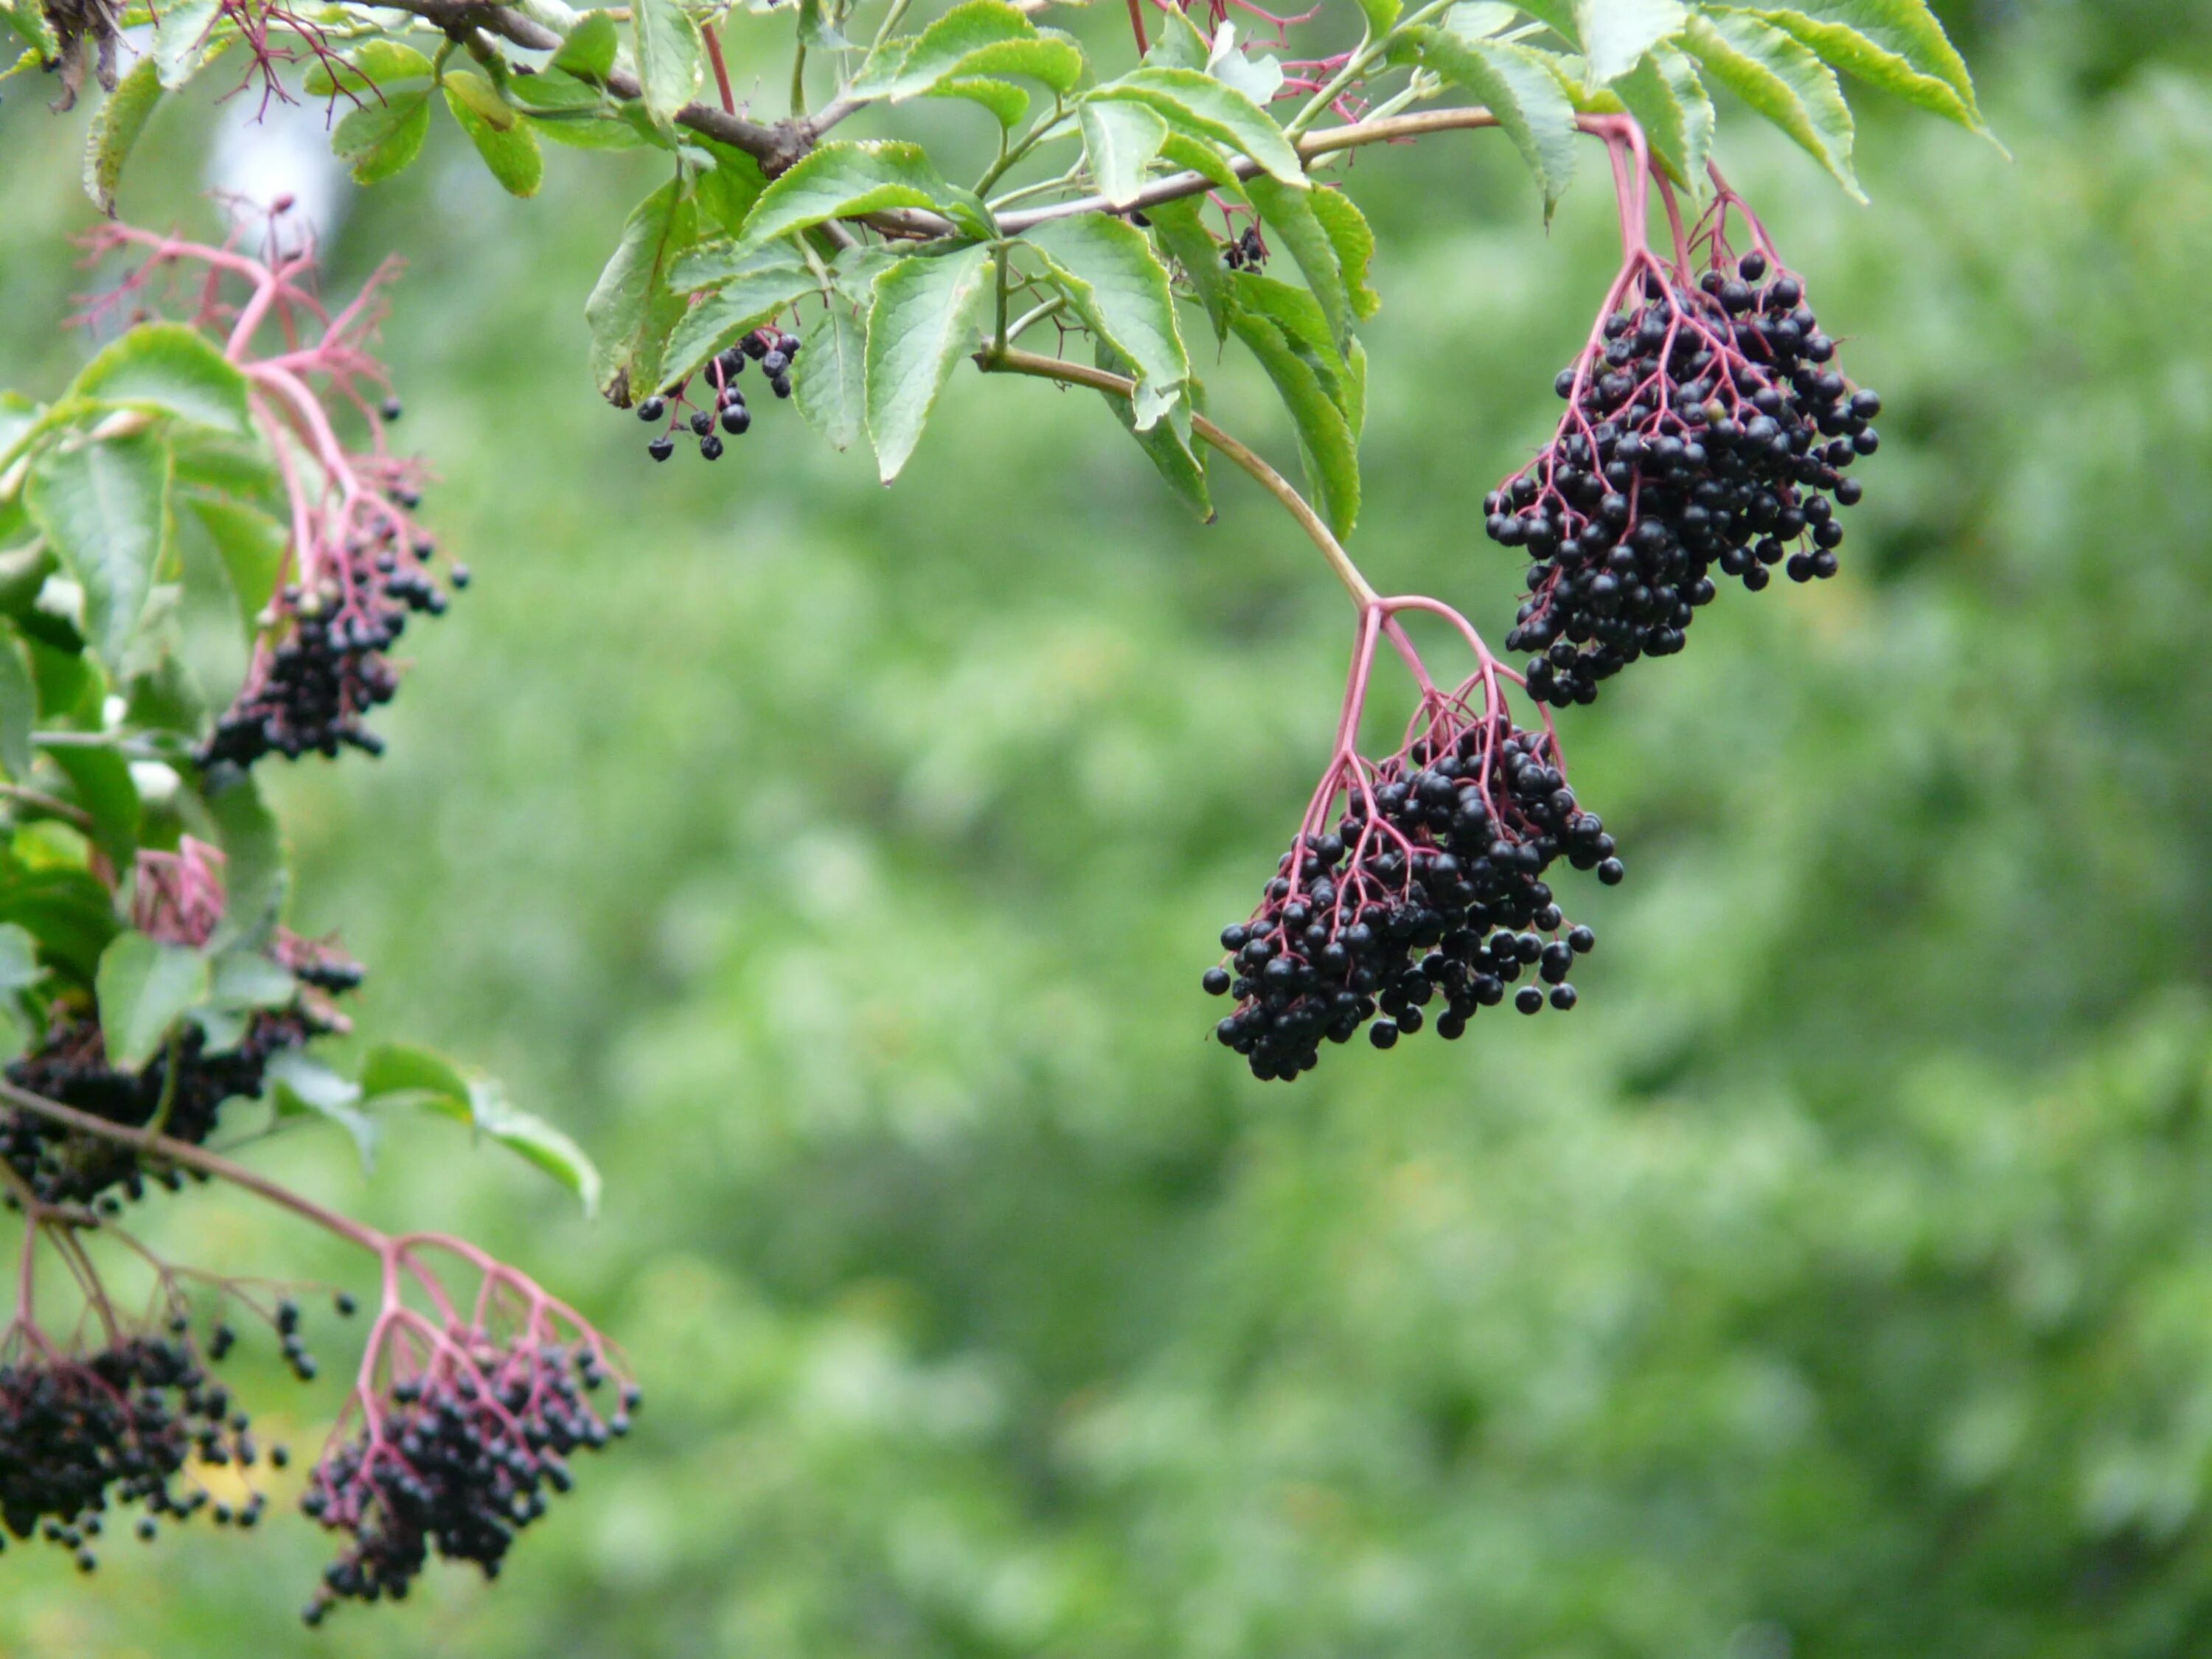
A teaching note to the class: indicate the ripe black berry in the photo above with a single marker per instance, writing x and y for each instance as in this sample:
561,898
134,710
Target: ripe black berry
661,447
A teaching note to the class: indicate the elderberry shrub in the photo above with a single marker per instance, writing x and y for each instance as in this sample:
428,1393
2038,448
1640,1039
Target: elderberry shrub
458,1459
79,1436
1432,884
773,350
1707,428
62,1166
321,665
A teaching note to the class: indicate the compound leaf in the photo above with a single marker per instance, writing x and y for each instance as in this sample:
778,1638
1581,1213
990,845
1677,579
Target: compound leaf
1779,77
1119,289
1896,44
1520,89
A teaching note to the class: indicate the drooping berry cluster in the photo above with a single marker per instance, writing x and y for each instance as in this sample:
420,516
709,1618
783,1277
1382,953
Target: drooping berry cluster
1704,427
1431,883
62,1166
458,1458
773,350
80,1435
321,665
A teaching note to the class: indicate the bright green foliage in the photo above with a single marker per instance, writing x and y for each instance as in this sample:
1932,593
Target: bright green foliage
923,318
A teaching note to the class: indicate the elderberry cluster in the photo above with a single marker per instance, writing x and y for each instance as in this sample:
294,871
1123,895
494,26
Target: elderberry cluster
460,1460
1247,252
1707,429
1430,884
774,350
313,685
80,1435
62,1166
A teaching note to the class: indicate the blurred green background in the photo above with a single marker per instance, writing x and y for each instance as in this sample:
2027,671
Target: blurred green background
839,865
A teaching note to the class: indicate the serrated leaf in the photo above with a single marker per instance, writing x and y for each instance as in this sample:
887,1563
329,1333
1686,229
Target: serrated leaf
304,1087
1183,234
740,306
632,309
251,544
1208,108
609,130
1664,93
924,318
253,871
1327,444
1779,77
366,71
830,381
104,508
1120,140
1289,215
19,707
1615,33
589,50
710,264
977,37
381,139
1354,242
843,180
510,151
115,129
1051,57
1520,89
169,367
670,57
28,18
1119,289
1007,102
1477,20
1164,444
395,1075
144,986
180,33
1203,158
1896,44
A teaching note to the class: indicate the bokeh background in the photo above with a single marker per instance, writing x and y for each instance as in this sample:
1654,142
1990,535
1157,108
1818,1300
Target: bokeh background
839,865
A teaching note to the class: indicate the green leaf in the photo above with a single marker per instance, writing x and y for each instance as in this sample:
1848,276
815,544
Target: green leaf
602,130
1777,75
1520,89
1381,15
243,979
925,316
1354,242
1327,444
671,56
181,28
99,783
395,1075
725,192
1615,33
742,304
1176,42
508,147
1007,102
68,912
1664,93
115,129
632,309
1208,108
381,139
1119,139
710,264
204,459
28,18
171,368
1183,234
589,50
830,380
19,707
1896,44
1168,448
254,873
104,507
1119,289
144,988
818,26
844,180
368,71
1199,157
1289,215
251,544
19,959
979,37
305,1087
